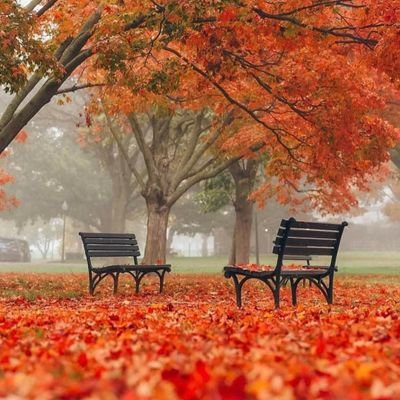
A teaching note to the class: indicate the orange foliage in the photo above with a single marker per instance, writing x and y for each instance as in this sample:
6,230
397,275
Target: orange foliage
306,95
307,80
193,343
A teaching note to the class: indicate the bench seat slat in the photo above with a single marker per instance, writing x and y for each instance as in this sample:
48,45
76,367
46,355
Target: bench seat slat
131,268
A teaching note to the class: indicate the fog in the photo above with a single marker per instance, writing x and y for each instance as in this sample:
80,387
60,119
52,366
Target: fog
64,187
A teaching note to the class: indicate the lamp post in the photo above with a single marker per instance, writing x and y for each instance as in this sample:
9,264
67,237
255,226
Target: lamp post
64,207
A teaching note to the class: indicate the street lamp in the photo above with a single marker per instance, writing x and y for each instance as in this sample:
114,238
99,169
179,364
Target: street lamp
64,207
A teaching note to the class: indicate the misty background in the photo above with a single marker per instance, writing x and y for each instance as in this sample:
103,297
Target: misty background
64,186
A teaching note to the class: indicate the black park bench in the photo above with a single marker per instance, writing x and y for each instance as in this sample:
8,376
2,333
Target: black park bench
117,245
296,238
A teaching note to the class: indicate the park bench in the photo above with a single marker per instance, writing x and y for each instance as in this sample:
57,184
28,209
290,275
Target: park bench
296,238
117,245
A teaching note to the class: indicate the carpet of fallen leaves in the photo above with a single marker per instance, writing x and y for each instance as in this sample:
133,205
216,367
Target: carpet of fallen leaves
192,342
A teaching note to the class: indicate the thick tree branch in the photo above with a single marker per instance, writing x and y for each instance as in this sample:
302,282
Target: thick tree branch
74,88
204,174
144,148
123,151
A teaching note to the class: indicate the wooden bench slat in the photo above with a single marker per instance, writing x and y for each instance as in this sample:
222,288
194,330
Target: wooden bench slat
111,241
112,247
312,225
85,235
305,251
309,233
92,253
311,242
297,258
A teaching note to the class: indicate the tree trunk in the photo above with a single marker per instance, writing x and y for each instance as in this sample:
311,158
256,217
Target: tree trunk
244,176
242,232
156,239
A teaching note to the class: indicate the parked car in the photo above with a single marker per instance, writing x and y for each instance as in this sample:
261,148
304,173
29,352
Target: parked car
14,250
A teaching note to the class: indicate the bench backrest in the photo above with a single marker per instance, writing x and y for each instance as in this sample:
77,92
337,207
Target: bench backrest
299,238
110,245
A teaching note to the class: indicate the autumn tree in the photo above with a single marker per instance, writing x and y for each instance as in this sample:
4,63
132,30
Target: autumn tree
305,79
52,38
176,151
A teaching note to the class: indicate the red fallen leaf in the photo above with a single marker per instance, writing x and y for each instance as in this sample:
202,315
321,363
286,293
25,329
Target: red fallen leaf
82,359
175,377
235,390
129,395
320,346
204,348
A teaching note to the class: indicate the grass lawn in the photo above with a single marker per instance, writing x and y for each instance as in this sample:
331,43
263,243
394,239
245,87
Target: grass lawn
348,262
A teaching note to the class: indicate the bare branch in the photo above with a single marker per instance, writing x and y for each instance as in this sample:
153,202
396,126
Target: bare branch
31,5
351,38
46,7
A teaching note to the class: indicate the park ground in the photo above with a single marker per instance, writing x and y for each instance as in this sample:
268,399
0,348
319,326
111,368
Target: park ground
192,342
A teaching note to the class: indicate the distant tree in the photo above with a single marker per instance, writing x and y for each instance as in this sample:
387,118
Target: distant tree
105,139
65,173
188,218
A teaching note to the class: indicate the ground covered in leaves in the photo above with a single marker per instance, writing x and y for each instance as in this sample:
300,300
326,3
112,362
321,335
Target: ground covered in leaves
57,342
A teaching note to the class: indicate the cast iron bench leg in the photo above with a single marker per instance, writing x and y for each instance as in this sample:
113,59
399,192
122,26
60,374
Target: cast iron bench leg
115,278
162,274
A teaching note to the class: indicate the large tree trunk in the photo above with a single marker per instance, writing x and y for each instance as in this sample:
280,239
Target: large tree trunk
240,253
244,175
156,240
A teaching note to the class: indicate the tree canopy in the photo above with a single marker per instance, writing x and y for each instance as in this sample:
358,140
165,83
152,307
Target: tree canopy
304,80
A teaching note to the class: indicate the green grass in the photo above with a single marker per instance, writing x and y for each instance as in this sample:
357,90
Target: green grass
371,262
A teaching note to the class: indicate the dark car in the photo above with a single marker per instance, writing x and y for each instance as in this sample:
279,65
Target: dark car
14,250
